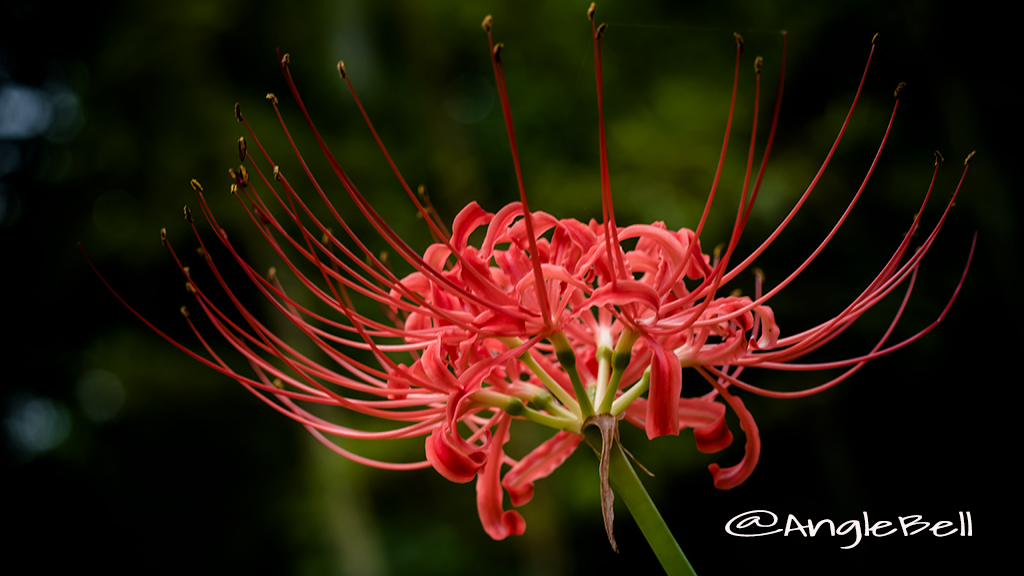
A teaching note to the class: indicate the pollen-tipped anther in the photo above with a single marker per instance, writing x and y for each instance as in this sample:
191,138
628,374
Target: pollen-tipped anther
234,189
341,69
277,383
241,148
969,156
286,59
600,30
486,24
184,311
277,173
900,86
938,158
190,288
272,98
497,51
163,235
739,40
758,63
591,10
874,39
271,273
238,112
240,176
188,213
196,185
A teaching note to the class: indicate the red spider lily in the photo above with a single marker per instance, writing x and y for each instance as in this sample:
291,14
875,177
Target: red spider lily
548,320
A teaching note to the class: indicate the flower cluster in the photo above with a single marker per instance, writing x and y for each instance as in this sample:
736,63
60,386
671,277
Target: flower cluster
551,321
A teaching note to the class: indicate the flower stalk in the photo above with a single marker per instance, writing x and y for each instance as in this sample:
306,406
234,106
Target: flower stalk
629,487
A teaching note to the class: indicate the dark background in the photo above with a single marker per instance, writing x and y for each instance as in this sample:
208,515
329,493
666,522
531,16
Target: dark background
121,453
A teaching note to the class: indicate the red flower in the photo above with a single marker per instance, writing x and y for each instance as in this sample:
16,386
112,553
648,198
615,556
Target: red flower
552,321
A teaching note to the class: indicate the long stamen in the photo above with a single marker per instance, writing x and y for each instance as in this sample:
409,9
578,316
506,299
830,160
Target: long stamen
607,208
499,77
814,182
715,279
371,289
721,162
437,227
375,220
830,235
757,182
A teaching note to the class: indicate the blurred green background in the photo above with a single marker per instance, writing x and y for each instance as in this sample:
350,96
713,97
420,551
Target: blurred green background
121,453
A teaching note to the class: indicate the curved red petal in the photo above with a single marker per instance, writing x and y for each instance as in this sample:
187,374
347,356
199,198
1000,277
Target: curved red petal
455,459
538,464
498,523
663,398
714,437
726,478
468,219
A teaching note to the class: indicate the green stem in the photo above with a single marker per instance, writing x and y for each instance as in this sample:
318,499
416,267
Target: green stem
628,486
